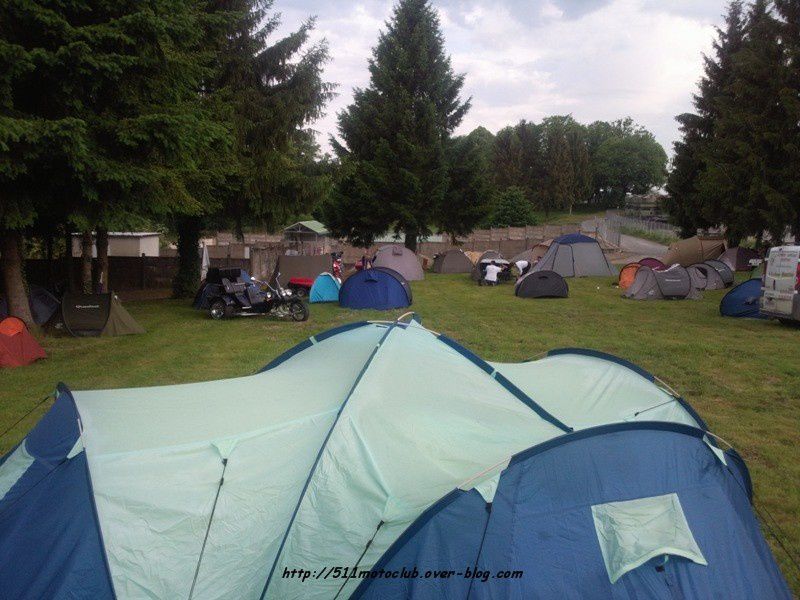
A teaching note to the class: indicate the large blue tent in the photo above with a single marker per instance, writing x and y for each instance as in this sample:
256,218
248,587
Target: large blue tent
378,288
624,511
401,448
743,301
325,289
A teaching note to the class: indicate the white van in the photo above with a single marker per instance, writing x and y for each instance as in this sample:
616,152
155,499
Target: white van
781,284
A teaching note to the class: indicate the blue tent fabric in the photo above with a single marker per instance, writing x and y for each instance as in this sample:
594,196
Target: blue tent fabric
324,289
574,238
378,288
540,523
43,305
46,553
742,301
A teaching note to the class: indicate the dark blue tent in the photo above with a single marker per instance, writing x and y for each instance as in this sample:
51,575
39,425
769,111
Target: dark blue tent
378,288
743,301
43,305
630,510
49,553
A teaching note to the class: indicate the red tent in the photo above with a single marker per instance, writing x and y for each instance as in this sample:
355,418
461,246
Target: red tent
17,346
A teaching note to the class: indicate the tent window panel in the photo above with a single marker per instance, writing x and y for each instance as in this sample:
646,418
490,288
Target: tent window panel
632,532
14,468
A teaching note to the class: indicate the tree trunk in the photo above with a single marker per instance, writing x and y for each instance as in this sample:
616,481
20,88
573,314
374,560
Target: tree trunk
411,240
68,266
101,271
13,261
86,261
186,280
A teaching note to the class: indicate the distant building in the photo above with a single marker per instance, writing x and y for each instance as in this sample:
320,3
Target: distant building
308,237
124,243
644,205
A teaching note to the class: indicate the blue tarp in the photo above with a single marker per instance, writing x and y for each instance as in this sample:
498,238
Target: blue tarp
540,523
325,289
378,288
743,301
48,553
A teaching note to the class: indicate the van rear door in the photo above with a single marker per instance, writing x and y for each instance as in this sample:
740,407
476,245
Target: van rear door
780,280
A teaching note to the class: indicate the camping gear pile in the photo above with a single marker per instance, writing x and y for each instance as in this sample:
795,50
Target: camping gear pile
18,348
401,449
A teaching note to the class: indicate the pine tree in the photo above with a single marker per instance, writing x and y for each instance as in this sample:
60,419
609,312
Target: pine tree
744,163
469,193
267,91
789,33
394,135
100,115
688,208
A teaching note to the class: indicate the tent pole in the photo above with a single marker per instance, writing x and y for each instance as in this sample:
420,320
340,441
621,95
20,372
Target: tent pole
208,527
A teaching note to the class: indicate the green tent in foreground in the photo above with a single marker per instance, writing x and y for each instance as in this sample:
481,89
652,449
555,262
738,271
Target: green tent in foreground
324,458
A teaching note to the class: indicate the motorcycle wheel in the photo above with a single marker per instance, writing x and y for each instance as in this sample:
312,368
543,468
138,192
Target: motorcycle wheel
218,310
298,310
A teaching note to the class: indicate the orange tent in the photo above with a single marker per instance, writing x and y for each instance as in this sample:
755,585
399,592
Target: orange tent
628,274
17,346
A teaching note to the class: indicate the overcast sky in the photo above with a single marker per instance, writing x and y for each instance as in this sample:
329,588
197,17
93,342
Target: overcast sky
527,59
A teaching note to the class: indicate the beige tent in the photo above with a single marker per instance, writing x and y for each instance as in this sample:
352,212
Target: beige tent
693,250
533,254
473,255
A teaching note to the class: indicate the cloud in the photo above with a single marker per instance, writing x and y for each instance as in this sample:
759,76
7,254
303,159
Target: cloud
526,59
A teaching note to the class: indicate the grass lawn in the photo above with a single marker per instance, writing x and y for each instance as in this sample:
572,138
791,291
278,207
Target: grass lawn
742,376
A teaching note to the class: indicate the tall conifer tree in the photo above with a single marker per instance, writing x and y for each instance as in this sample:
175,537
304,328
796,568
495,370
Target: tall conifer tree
395,133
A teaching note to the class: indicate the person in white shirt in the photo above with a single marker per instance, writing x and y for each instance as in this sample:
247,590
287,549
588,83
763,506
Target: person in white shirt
492,271
522,266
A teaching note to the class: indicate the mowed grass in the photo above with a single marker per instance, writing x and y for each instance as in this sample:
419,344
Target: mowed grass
742,376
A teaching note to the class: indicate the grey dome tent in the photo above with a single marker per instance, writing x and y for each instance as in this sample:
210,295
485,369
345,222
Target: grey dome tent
399,258
705,277
477,269
452,261
541,284
575,255
87,315
671,284
725,272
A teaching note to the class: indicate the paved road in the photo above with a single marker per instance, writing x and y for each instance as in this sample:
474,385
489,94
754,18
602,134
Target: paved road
641,246
636,246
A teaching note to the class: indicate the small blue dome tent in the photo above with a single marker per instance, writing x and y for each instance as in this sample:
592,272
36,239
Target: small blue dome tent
325,289
743,301
378,288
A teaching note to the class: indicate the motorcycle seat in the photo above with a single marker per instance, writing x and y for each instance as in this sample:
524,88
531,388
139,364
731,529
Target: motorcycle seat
233,288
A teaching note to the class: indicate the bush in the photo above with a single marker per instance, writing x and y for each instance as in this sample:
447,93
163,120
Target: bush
512,209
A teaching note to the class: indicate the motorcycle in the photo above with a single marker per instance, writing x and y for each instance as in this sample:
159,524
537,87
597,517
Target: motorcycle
256,298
